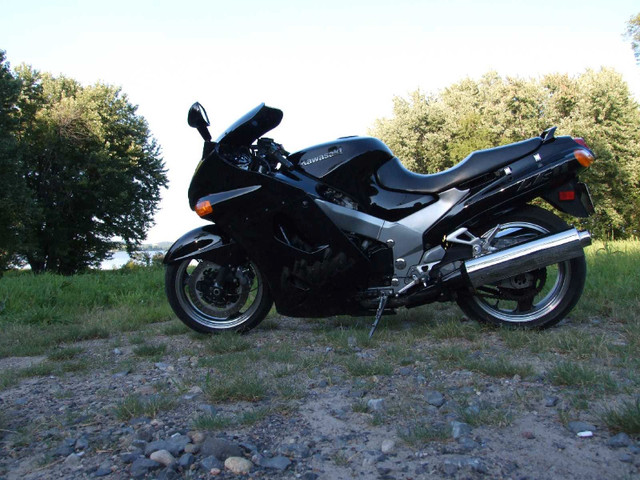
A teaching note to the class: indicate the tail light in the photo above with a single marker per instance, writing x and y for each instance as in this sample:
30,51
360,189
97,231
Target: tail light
580,141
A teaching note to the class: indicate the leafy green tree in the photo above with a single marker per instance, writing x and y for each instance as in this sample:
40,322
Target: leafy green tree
633,32
91,168
11,189
432,132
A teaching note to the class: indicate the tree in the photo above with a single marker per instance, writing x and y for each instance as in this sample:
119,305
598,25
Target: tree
633,32
91,168
11,189
432,132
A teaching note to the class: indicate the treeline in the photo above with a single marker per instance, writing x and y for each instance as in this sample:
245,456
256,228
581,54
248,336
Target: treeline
430,132
78,168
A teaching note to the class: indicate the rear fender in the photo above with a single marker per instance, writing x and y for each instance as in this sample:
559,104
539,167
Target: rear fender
207,243
572,198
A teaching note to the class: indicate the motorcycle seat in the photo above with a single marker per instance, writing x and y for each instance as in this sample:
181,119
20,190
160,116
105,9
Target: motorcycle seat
394,176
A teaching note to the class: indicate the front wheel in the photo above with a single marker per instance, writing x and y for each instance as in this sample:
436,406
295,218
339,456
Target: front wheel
535,299
211,298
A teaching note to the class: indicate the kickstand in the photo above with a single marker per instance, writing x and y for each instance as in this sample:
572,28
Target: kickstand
381,305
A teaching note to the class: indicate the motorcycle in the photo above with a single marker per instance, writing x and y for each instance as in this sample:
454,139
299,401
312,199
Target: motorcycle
343,228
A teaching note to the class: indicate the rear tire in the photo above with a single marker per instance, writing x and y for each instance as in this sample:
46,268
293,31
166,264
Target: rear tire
536,299
209,298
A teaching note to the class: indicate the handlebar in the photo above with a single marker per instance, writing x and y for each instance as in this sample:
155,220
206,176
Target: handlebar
274,153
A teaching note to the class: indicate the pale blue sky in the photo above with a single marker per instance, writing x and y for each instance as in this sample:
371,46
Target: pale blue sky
333,67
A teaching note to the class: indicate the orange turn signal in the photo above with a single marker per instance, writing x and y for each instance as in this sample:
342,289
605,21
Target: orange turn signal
204,208
584,157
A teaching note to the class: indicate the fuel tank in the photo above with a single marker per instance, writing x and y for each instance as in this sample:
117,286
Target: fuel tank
344,156
349,165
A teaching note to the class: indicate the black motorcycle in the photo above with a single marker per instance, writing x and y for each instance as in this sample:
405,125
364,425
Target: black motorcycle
343,228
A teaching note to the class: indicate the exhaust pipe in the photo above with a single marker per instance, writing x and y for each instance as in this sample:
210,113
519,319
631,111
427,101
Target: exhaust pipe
522,258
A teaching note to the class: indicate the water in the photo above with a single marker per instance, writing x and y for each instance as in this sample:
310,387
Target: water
120,259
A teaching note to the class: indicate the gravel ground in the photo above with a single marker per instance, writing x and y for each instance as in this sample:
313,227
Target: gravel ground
412,417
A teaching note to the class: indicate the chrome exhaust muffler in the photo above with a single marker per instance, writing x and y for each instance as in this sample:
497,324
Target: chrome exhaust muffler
526,257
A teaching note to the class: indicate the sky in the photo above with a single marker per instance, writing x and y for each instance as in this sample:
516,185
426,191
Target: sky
332,66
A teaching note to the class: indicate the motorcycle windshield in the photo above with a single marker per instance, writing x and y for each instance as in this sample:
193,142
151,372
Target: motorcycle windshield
251,126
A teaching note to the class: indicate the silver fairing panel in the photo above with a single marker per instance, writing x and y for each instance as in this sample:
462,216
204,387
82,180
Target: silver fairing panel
405,234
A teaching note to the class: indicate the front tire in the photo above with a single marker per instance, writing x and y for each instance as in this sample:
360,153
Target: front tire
210,298
536,299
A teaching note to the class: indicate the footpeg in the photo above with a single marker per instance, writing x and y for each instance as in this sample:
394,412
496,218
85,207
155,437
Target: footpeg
381,305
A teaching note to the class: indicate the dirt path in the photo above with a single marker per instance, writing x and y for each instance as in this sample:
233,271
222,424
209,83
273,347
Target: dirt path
320,421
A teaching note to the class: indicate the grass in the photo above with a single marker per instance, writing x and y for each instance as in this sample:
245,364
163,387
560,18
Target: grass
367,367
500,367
588,359
485,414
227,342
612,280
623,418
573,374
220,422
421,433
137,406
154,352
65,353
41,311
249,388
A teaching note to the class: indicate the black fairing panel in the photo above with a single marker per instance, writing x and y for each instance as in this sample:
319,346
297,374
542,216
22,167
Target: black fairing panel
312,268
251,126
203,242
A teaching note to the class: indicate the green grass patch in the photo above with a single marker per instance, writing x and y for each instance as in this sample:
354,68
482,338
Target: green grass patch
348,338
176,328
485,414
613,275
227,342
137,406
231,364
454,328
41,311
229,389
584,376
367,367
451,353
152,351
290,390
422,433
623,418
280,354
65,353
570,341
401,354
8,378
499,367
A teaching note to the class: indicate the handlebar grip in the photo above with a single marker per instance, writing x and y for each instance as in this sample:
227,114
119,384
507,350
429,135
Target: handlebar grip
285,161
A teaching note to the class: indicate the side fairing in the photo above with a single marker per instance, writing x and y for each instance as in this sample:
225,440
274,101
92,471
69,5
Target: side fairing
310,264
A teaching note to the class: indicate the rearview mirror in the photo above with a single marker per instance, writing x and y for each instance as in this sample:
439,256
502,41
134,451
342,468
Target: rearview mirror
197,118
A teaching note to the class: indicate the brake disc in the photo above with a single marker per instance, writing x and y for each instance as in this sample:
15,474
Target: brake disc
523,286
216,300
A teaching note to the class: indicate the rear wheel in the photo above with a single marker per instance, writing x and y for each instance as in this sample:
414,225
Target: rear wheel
211,298
536,299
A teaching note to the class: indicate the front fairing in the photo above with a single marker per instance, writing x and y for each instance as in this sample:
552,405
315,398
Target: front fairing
251,126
